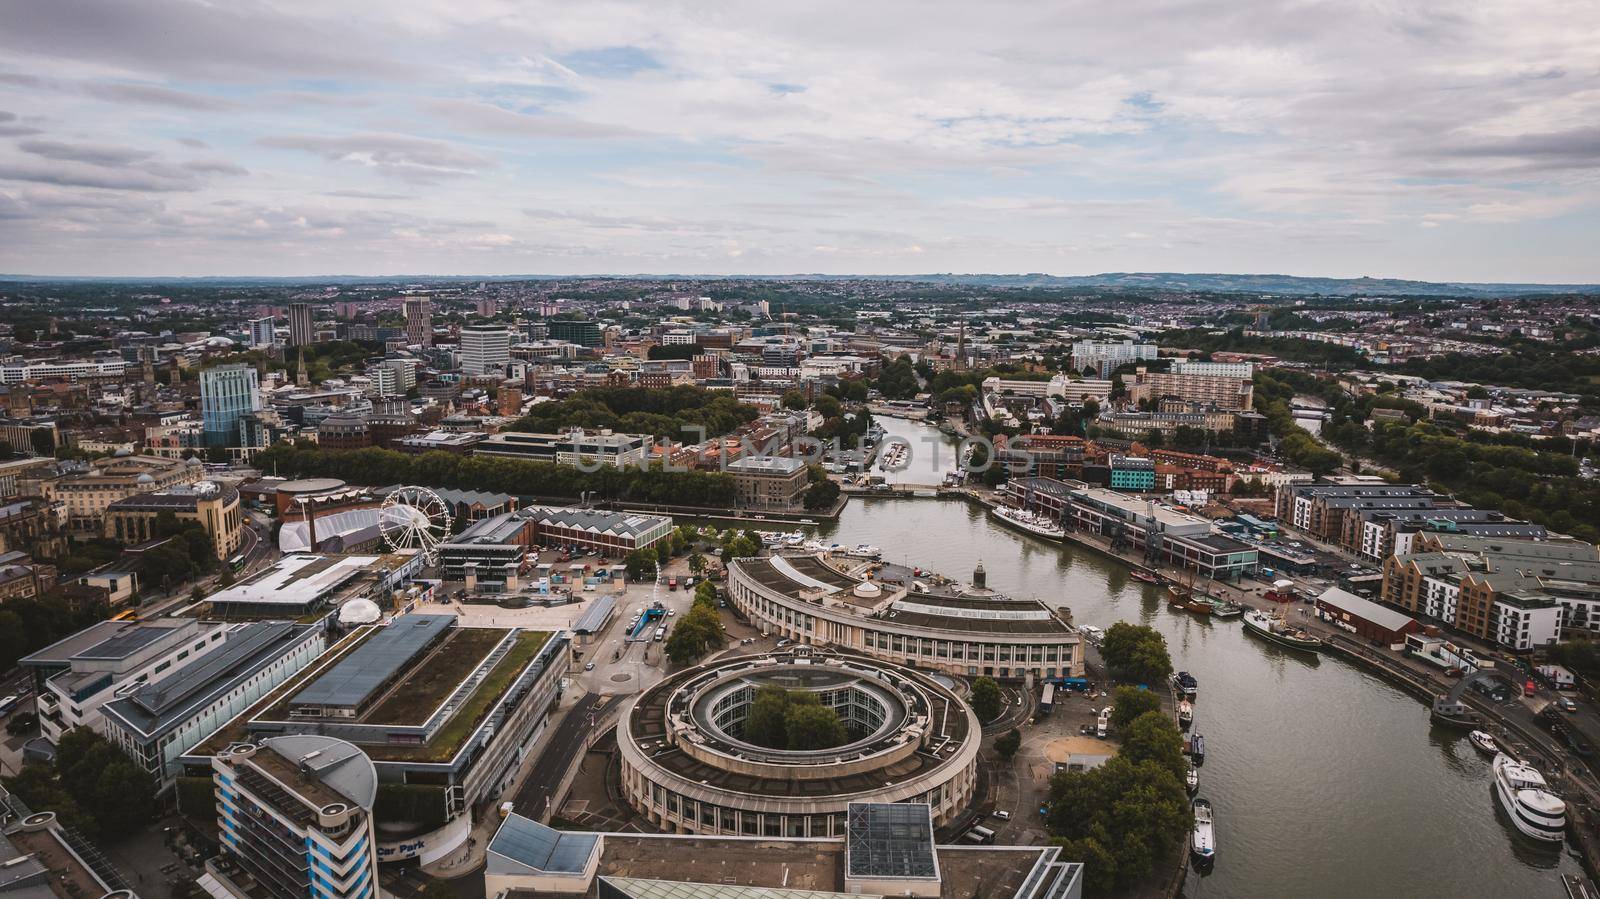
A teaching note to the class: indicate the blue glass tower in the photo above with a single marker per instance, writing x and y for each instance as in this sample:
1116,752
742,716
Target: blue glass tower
227,393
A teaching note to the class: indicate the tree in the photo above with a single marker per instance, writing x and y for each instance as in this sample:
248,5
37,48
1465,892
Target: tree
764,724
43,440
1136,652
697,564
1153,737
641,563
812,726
1129,703
695,634
985,699
821,495
794,399
1125,815
1008,743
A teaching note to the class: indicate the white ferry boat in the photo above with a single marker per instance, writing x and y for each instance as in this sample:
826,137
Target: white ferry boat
1038,525
1533,809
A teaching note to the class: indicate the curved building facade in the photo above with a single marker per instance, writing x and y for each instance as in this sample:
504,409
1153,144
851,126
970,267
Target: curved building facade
905,616
687,767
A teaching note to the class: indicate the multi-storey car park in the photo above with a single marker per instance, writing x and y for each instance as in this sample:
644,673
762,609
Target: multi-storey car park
446,714
904,616
687,767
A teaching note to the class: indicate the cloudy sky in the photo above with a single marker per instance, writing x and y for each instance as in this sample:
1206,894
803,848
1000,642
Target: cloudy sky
1421,139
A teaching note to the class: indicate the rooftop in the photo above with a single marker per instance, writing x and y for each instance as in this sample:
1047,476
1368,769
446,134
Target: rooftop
1382,616
350,683
298,580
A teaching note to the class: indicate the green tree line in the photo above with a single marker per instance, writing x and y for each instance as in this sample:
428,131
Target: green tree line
515,476
662,412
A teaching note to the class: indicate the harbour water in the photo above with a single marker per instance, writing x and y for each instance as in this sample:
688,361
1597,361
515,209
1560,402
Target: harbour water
1326,781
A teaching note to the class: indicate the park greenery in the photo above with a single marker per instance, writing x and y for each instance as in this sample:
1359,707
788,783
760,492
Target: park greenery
699,631
674,413
985,699
515,476
92,786
28,624
1293,349
1128,703
1008,743
1127,816
1136,652
792,719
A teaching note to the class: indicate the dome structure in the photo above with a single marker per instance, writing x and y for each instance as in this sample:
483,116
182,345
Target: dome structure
360,611
145,478
867,590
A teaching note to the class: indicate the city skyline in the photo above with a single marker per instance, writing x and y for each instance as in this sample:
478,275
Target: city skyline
1430,142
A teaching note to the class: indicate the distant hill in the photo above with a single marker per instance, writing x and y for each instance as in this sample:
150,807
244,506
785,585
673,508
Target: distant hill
1221,283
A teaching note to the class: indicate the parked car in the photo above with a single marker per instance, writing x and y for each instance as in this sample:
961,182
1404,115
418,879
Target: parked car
589,667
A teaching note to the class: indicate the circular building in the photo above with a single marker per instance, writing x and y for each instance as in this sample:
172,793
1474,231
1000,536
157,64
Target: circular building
687,766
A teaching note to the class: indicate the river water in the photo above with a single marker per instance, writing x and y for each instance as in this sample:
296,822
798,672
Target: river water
1325,780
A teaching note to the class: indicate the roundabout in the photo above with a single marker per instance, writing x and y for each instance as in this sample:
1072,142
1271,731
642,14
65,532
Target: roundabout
689,766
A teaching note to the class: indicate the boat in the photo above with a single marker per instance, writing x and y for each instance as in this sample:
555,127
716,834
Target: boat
1199,605
1221,608
1185,714
1191,779
1534,810
1485,742
1195,747
1184,684
1275,629
1033,523
1093,634
1149,577
1203,842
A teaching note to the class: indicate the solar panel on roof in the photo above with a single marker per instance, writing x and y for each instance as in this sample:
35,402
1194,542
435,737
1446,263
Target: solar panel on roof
373,662
126,643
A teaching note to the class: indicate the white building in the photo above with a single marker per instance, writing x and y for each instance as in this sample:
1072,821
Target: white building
484,349
17,372
1215,369
155,723
1105,355
263,331
76,676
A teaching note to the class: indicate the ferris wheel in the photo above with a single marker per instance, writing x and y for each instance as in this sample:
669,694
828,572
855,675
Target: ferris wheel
415,518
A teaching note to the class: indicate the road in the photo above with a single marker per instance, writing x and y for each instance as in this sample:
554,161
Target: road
538,793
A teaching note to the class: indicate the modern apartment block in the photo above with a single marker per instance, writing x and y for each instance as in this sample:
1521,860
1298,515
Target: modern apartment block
1521,594
227,394
1103,356
574,447
295,816
301,329
1214,391
419,321
485,349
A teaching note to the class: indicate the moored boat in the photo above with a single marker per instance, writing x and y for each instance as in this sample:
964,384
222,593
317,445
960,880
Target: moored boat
1149,577
1199,605
1203,841
1275,629
1191,779
1185,685
1195,746
1038,525
1221,608
1534,810
1185,714
1485,742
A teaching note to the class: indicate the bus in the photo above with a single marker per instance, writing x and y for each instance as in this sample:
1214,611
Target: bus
1047,698
236,563
984,834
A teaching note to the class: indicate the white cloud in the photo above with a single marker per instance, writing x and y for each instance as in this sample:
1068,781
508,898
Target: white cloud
1286,135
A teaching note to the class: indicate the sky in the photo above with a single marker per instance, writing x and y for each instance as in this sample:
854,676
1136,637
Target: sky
1432,140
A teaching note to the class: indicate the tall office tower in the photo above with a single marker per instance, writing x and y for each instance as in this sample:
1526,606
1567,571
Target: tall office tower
485,348
227,393
300,330
487,306
263,331
296,812
419,321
